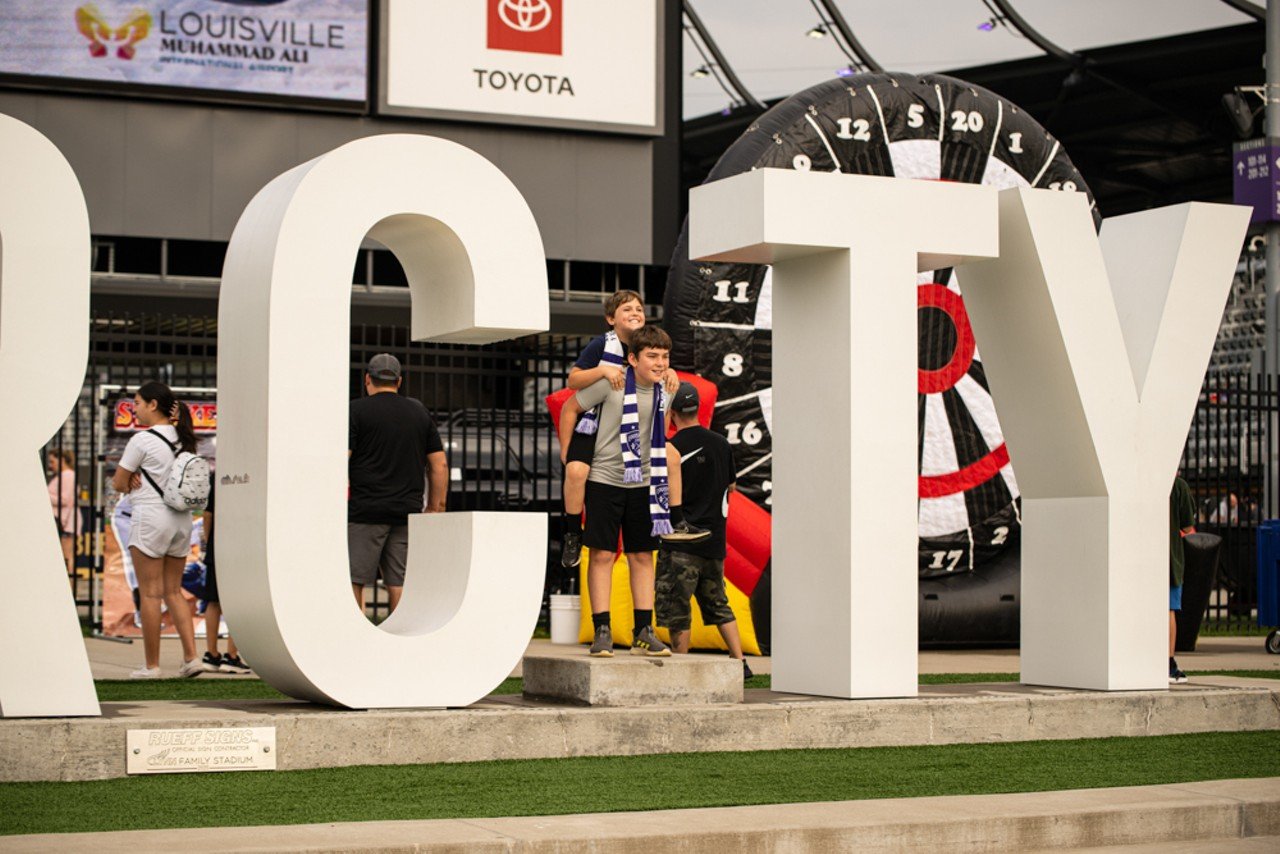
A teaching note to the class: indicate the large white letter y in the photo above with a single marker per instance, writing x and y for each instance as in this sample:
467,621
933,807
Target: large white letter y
1094,351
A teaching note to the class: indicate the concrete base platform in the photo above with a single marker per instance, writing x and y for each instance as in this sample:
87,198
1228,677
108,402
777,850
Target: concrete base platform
309,736
1200,816
631,680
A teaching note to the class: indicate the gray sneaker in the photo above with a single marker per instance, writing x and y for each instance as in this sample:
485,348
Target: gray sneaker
647,643
686,532
603,646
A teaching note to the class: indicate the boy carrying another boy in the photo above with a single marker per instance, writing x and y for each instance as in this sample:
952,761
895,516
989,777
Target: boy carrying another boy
688,569
604,357
627,489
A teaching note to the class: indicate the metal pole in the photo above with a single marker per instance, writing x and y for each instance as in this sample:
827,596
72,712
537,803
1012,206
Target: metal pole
1271,342
1271,345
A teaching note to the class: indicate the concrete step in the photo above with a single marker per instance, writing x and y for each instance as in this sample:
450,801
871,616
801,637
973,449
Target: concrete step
309,736
1196,814
632,680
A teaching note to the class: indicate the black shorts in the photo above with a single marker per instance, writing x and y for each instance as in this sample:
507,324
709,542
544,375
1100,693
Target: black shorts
614,508
582,447
210,583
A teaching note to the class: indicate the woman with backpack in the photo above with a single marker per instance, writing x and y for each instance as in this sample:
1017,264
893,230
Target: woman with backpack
160,538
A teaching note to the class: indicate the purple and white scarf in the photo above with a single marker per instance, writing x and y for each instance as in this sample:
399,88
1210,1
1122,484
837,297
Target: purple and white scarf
589,423
633,466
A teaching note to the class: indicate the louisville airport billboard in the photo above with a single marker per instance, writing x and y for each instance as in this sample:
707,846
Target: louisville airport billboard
315,50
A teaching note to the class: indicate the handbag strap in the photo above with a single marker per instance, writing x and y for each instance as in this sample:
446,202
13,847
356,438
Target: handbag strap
173,448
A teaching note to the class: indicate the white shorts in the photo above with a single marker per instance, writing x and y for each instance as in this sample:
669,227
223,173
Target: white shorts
159,531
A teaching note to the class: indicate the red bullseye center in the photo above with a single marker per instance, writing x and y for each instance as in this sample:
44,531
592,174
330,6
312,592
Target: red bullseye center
949,302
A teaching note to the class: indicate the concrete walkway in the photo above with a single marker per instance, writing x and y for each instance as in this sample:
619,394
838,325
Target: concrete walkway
1224,815
114,660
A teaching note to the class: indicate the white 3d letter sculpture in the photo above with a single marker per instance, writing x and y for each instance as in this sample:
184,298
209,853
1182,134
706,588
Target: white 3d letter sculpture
473,257
845,251
44,344
1095,355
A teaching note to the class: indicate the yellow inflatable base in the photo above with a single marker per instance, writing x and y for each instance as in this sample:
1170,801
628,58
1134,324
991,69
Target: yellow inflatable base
620,609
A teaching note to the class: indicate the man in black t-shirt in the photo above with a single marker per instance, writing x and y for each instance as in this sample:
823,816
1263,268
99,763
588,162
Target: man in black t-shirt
391,444
696,569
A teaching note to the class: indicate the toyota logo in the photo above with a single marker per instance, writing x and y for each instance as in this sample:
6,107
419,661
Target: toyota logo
526,16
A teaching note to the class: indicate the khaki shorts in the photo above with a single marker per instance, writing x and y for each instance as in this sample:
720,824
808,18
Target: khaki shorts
371,548
682,576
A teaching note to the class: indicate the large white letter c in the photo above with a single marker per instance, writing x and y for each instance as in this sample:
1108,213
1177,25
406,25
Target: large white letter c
473,257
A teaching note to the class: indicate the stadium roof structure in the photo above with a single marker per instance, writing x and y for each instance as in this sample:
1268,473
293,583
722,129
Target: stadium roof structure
1142,120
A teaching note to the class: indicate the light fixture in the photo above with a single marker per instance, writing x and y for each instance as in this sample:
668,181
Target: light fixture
1243,117
988,25
818,32
700,72
847,71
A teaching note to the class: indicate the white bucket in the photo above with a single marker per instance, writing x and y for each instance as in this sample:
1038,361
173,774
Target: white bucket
566,617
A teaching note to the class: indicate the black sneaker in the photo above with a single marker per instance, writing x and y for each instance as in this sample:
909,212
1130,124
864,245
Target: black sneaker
603,645
211,663
746,671
571,549
1176,676
686,533
234,664
647,643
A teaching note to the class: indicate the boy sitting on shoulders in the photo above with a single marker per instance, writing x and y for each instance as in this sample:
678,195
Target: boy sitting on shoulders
604,357
627,489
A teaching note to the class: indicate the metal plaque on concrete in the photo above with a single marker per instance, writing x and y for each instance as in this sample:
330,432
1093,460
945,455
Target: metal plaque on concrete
176,751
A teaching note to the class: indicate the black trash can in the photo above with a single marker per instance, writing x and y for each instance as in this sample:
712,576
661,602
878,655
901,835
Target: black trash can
1199,577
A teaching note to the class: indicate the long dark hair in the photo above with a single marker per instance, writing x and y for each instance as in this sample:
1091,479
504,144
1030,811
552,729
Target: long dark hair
160,394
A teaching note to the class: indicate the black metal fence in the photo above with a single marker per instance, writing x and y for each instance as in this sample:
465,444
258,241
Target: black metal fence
487,401
503,455
1230,463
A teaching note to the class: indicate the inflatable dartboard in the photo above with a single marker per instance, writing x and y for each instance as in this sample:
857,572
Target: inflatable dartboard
931,128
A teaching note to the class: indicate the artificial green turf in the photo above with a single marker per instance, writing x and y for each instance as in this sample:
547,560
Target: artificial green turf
610,784
214,688
959,678
1246,674
1234,630
211,688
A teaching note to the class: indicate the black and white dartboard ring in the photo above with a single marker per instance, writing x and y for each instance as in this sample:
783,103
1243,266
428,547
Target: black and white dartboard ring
719,316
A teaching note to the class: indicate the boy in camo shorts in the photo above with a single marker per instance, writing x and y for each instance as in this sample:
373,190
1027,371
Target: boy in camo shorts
696,569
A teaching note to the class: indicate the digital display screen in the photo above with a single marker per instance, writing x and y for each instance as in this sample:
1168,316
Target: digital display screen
306,49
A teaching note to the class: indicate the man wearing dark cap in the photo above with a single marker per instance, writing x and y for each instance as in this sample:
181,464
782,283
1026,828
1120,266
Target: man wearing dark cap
695,568
394,452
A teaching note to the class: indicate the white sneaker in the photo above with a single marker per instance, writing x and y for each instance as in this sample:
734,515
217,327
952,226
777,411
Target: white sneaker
194,667
145,672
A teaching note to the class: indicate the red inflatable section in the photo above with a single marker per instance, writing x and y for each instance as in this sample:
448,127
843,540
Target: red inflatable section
749,534
748,530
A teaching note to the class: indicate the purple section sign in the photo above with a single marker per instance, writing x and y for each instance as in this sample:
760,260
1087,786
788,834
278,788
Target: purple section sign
1255,178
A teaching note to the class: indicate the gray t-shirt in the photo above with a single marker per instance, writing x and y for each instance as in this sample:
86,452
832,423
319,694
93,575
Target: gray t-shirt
607,466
